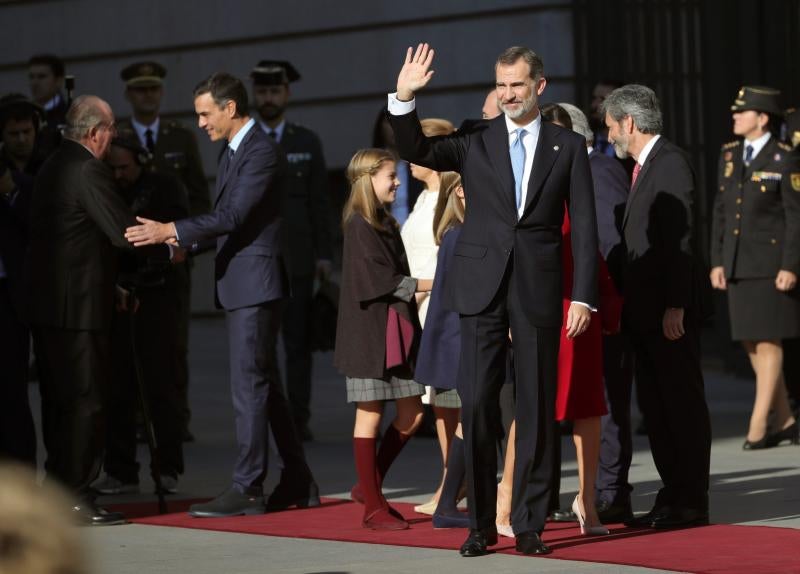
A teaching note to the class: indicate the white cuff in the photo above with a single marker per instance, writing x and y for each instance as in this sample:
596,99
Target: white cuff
592,309
398,108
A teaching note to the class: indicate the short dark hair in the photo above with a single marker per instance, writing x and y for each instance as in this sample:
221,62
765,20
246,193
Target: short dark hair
52,61
510,56
554,113
224,88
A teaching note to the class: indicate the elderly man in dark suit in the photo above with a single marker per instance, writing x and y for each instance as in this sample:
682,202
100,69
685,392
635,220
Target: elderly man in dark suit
664,303
519,174
77,220
251,283
306,226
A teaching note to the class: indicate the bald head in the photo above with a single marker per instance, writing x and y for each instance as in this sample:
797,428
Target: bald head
90,122
490,109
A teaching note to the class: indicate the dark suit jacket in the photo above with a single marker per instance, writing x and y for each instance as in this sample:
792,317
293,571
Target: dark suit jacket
77,219
13,242
306,201
661,271
756,223
611,186
176,153
492,231
245,222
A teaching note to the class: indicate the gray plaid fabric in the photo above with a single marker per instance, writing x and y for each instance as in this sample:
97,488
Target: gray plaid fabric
361,390
447,399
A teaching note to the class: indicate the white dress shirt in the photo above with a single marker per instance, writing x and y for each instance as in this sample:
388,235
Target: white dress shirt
646,150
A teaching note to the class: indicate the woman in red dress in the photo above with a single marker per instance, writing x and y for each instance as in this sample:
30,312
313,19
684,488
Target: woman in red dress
580,395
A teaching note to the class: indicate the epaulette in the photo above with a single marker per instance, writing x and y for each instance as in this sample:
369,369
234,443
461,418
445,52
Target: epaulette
732,144
785,146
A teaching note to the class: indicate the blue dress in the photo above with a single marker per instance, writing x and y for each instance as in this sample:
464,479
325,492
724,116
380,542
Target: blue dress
440,348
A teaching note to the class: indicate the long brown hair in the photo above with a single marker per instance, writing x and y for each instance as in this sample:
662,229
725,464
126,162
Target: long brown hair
362,200
449,209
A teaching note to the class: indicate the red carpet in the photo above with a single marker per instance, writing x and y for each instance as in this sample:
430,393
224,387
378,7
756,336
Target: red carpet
711,549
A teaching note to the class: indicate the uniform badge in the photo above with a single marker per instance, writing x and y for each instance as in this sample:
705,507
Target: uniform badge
796,181
728,169
777,157
728,155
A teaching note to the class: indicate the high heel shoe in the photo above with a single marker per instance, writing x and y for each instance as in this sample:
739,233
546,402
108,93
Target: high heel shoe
587,530
790,433
758,444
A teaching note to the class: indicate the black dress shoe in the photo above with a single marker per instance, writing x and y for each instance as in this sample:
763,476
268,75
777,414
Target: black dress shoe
613,513
88,514
477,541
563,515
530,543
681,517
229,503
645,520
288,493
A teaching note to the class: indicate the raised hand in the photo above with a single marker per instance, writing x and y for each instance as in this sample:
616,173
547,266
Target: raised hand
415,73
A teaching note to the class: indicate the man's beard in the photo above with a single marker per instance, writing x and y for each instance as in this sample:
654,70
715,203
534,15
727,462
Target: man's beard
526,106
621,149
269,112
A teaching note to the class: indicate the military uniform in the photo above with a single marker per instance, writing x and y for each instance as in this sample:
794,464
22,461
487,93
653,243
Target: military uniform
306,233
174,151
157,321
756,233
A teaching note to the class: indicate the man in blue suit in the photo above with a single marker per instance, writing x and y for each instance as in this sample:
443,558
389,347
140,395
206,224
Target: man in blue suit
251,283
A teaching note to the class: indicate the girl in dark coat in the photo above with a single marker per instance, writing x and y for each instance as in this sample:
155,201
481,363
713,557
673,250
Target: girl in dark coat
377,331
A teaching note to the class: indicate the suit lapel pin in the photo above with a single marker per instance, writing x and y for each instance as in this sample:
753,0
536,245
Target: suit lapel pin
777,157
555,148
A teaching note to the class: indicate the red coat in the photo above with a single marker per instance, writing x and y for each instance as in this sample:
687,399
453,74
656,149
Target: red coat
580,391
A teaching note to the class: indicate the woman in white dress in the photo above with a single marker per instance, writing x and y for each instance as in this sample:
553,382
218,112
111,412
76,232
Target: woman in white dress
421,248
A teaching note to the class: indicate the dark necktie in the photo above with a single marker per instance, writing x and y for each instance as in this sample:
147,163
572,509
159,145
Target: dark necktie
149,142
748,154
273,134
636,169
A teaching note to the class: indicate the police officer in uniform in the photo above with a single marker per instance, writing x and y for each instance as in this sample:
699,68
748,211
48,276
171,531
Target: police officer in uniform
150,294
755,253
174,151
306,225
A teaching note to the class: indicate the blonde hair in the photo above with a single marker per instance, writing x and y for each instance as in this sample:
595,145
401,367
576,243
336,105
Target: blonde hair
36,526
362,200
449,209
433,127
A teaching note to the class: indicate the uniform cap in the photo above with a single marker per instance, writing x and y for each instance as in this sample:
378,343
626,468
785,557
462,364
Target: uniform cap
274,73
759,99
143,74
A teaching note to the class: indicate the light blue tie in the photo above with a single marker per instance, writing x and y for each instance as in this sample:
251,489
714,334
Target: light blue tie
518,163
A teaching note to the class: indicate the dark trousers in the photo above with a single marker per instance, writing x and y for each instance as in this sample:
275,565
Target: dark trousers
74,371
296,328
183,285
258,398
17,434
156,336
670,383
484,346
616,444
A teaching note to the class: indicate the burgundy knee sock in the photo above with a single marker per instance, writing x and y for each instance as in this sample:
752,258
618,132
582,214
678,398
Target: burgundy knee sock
364,451
391,445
